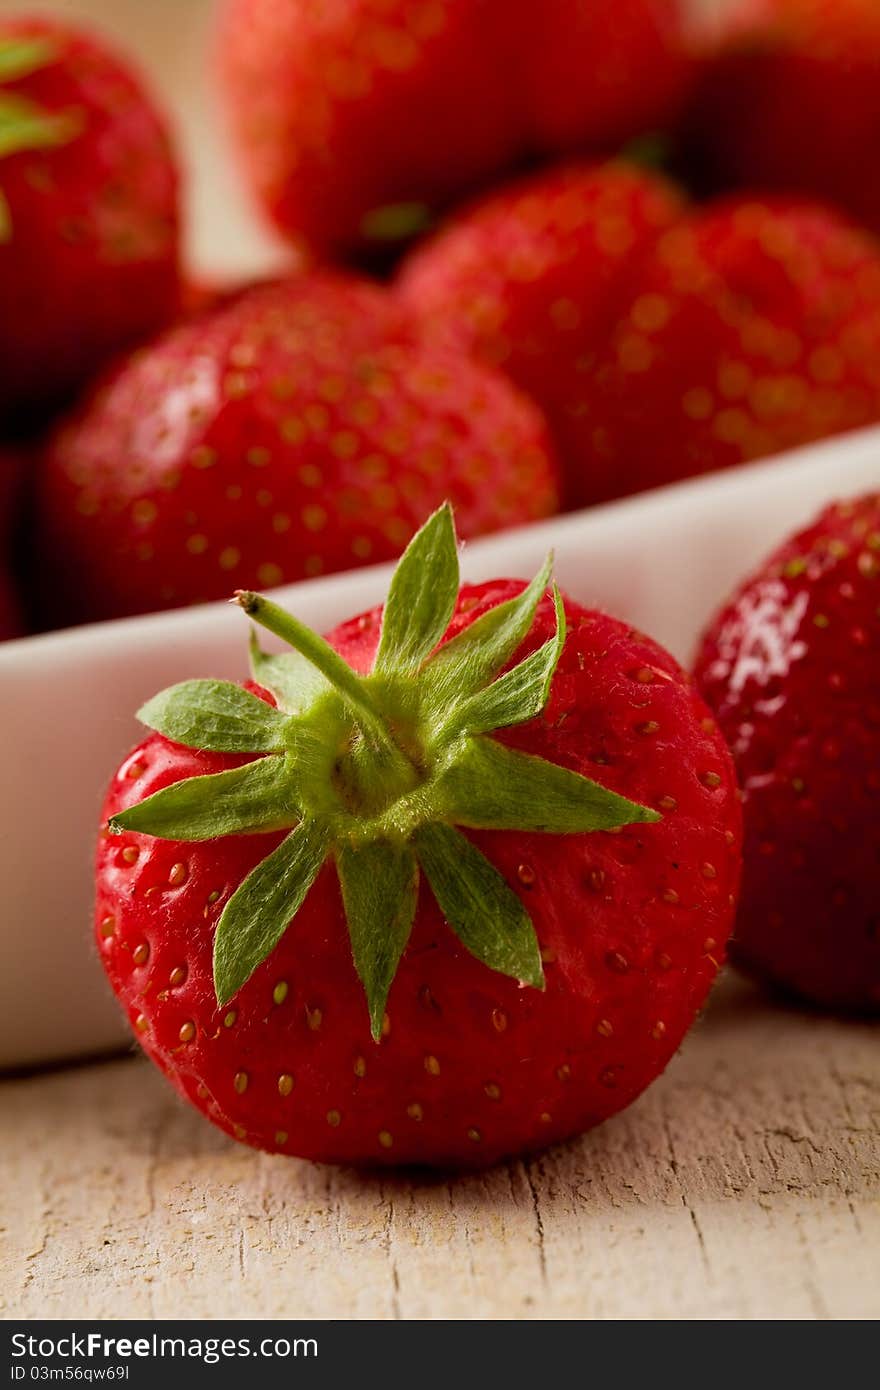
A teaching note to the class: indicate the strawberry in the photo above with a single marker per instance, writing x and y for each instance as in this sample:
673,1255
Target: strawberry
529,279
356,118
592,74
88,212
300,430
752,327
792,102
791,666
470,992
198,296
360,119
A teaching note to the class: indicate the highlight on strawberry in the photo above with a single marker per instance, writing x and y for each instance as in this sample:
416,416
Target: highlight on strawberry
447,886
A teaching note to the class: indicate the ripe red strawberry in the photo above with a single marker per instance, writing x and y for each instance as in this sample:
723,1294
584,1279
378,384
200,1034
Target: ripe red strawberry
753,327
540,976
791,665
298,431
595,73
793,102
201,296
360,119
356,118
530,277
88,212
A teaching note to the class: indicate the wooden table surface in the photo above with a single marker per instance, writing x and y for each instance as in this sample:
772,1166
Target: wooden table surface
744,1184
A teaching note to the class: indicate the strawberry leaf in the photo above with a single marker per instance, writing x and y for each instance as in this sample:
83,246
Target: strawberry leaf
493,787
379,885
479,905
653,150
263,906
216,715
350,686
421,599
395,221
256,797
26,126
23,124
519,695
20,56
469,661
291,678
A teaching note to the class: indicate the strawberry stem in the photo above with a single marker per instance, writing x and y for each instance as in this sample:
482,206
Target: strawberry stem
322,656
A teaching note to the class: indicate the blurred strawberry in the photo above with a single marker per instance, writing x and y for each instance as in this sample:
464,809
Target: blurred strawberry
793,102
595,73
300,430
529,280
360,119
791,667
752,327
200,296
357,118
88,212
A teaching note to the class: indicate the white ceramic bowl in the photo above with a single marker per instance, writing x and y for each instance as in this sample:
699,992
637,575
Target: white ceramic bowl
662,561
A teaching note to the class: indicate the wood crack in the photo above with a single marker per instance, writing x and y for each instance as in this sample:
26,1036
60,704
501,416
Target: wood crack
539,1220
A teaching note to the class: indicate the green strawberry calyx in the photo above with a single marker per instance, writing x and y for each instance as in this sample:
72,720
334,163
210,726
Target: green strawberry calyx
378,772
24,124
396,222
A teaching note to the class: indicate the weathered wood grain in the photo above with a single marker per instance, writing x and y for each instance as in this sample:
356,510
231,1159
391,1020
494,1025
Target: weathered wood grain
745,1184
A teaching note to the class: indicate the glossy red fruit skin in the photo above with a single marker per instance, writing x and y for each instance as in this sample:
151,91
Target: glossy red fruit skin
791,666
530,278
596,73
344,108
752,327
472,1067
300,431
92,261
788,67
